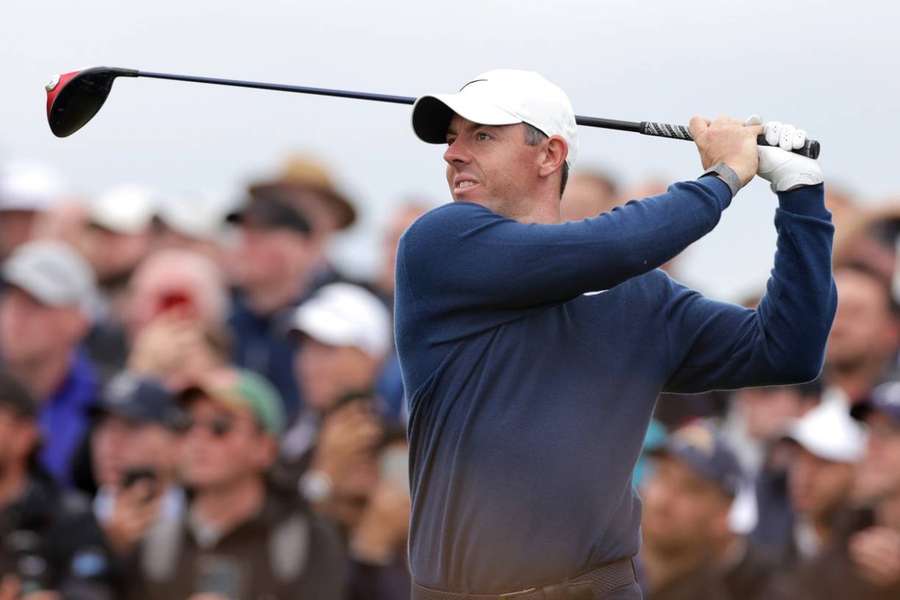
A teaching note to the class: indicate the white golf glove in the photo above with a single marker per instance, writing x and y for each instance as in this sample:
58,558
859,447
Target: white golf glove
777,164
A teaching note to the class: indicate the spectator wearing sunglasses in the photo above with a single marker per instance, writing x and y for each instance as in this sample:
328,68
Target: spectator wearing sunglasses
239,538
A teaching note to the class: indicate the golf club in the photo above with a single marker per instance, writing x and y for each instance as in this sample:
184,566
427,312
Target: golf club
74,98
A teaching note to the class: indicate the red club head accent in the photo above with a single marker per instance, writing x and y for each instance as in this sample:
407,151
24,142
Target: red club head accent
74,98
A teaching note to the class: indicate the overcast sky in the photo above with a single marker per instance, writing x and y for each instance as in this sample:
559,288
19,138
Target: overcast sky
831,68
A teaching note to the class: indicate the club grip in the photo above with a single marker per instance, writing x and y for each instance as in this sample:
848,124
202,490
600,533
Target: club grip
679,132
810,149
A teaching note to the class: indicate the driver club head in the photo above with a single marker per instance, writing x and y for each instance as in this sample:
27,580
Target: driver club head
74,98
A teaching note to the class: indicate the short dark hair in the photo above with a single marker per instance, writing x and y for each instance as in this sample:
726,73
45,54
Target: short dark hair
533,137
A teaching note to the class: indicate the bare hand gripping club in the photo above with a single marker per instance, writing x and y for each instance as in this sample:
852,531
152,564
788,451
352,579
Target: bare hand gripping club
74,98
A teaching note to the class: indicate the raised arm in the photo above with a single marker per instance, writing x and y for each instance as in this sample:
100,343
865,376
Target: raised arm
722,346
471,257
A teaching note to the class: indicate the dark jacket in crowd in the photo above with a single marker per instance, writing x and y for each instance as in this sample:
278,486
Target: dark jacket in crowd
832,575
283,553
50,539
261,344
749,577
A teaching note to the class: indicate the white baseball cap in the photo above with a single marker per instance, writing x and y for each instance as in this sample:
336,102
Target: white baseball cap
53,273
500,97
196,215
829,432
342,314
127,209
29,186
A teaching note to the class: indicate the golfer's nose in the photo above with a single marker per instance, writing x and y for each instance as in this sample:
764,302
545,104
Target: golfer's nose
456,153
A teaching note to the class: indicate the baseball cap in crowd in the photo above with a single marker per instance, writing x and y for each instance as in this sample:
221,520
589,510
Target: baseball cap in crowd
28,187
241,389
197,216
342,314
53,273
706,452
139,399
884,399
500,97
15,397
125,209
829,433
271,208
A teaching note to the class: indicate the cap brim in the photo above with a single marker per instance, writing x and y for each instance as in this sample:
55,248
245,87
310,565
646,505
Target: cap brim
187,396
432,114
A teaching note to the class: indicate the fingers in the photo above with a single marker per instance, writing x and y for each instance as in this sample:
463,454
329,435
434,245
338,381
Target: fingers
698,126
784,136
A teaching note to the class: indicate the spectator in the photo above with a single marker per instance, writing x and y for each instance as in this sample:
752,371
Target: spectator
134,448
759,416
379,570
349,465
239,539
689,550
275,267
43,318
757,420
26,192
176,317
344,335
114,237
864,564
820,477
118,237
864,337
48,538
588,193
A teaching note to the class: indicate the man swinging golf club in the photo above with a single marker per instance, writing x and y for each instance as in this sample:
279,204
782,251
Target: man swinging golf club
529,394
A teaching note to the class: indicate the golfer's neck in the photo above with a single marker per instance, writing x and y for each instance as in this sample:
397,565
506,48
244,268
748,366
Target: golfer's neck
542,209
546,214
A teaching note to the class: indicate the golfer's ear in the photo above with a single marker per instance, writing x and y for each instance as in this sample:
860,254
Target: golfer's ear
554,155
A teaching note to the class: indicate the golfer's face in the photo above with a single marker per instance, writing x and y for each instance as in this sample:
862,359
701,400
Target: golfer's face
489,164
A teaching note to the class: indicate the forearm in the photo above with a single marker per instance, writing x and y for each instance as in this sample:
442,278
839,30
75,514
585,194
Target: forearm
801,298
718,345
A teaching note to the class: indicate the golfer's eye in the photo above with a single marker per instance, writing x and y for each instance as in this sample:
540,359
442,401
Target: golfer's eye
482,136
450,140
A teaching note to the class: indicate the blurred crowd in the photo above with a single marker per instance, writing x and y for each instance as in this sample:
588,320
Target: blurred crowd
195,402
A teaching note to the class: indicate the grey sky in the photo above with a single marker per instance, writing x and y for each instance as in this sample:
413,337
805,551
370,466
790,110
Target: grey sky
828,67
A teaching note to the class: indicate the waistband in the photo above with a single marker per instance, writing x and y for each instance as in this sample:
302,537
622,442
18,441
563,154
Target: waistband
588,586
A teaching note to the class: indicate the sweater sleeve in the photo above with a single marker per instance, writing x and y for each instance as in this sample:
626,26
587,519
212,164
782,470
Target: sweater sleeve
469,257
722,346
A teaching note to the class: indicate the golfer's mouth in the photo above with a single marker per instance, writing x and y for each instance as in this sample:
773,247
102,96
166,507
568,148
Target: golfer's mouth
463,184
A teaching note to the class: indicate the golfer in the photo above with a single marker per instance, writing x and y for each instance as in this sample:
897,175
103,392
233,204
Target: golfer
533,351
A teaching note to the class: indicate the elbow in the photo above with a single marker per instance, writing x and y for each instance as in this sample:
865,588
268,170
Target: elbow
800,369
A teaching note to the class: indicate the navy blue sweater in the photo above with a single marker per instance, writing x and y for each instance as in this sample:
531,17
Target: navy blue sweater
529,397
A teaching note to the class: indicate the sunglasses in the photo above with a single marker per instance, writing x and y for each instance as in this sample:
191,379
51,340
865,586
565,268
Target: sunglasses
218,427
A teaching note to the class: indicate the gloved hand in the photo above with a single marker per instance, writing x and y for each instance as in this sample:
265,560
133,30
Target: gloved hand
777,164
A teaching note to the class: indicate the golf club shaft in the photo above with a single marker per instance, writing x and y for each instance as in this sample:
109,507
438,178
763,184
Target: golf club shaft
678,132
